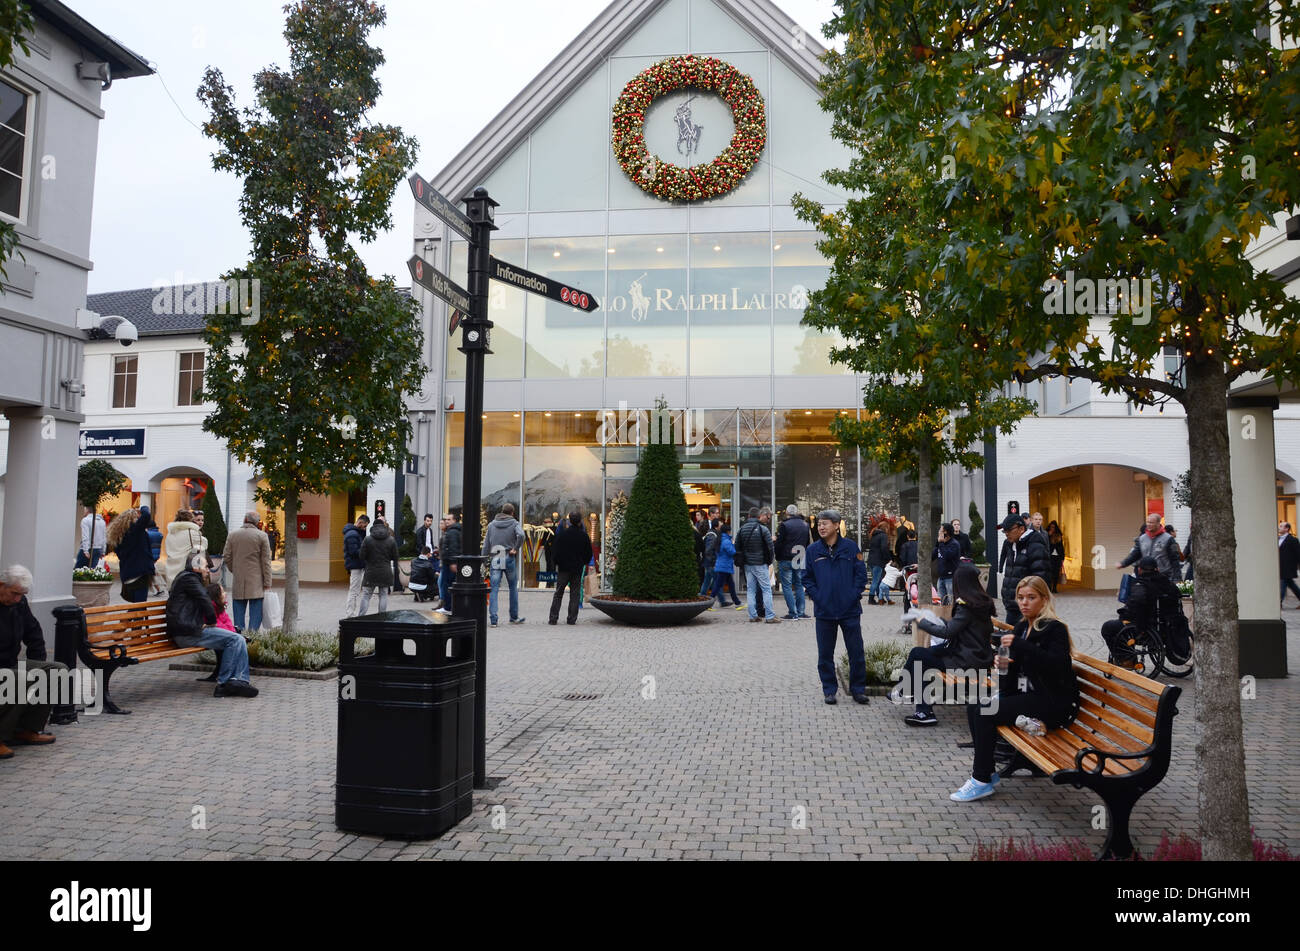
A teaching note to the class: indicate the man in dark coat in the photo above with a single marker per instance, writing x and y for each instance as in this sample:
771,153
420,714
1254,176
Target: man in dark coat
191,622
835,579
22,723
878,556
1288,559
449,551
1027,555
792,540
572,552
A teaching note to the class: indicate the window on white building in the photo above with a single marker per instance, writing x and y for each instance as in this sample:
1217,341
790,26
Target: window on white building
14,151
191,379
124,375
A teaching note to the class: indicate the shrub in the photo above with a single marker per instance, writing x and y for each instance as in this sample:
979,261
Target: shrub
656,553
301,650
214,524
1071,850
883,658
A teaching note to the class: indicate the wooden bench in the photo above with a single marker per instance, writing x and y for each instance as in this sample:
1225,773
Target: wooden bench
1118,745
119,635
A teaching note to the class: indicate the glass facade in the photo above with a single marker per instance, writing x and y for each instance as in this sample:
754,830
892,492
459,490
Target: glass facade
548,463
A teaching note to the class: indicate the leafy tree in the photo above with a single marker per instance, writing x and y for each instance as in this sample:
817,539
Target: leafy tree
406,529
930,399
656,551
214,523
976,536
309,389
16,23
96,479
1109,141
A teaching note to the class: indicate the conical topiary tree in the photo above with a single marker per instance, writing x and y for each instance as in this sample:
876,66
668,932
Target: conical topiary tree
976,539
214,525
656,552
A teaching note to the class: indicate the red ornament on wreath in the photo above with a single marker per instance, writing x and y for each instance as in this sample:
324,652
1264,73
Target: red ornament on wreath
672,182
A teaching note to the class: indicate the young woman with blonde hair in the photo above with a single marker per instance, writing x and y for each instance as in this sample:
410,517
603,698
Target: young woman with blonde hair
1037,680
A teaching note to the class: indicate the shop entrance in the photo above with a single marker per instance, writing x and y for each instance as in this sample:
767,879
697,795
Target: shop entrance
702,496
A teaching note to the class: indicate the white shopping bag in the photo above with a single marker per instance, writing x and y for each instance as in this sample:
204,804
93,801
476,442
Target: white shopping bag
272,615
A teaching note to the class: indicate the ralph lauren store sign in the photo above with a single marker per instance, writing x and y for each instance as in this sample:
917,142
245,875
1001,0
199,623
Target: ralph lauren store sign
120,443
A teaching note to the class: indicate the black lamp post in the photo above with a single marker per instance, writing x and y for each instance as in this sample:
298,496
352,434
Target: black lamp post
468,592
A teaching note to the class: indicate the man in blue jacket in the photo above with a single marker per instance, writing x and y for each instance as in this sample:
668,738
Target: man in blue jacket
835,579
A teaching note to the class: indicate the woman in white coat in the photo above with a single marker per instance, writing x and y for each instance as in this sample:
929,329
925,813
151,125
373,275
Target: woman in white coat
184,540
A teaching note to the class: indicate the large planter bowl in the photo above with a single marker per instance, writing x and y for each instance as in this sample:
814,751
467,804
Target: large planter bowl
91,594
651,613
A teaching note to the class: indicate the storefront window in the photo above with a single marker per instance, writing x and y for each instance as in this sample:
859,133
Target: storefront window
646,309
731,305
799,269
812,471
562,340
501,462
505,310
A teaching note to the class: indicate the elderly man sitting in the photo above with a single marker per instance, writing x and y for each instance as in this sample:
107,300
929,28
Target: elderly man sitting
191,621
21,722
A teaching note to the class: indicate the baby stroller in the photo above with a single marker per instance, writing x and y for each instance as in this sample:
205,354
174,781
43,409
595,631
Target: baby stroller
909,574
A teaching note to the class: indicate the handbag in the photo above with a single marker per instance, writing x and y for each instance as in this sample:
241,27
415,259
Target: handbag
1125,587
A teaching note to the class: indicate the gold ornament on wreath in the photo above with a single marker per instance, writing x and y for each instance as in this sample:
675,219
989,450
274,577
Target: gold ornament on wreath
713,179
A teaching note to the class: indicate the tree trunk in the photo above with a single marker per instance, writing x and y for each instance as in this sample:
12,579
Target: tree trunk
1224,810
290,562
924,526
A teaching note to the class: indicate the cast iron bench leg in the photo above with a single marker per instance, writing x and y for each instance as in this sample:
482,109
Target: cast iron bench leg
109,705
1118,844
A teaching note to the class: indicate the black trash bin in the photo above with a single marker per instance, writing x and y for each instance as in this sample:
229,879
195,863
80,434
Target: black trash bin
406,725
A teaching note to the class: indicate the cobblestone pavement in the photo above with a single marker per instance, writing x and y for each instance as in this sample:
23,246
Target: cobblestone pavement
732,750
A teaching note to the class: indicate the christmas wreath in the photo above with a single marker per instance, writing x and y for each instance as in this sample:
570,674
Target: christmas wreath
663,179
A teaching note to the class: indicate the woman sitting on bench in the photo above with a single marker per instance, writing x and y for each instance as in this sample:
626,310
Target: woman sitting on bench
966,645
1037,681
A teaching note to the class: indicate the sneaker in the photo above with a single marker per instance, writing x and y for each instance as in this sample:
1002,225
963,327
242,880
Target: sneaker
517,620
713,607
235,688
805,617
920,719
994,779
740,607
898,698
830,699
446,611
789,617
755,620
861,698
973,789
772,620
492,623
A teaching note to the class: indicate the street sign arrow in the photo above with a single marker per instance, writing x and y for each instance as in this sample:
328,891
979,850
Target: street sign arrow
436,202
538,284
439,284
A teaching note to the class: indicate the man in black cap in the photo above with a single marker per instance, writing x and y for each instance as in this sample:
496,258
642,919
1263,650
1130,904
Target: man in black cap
835,579
1027,554
1150,587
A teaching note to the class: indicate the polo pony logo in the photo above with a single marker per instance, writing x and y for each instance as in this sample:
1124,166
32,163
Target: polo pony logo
688,133
640,303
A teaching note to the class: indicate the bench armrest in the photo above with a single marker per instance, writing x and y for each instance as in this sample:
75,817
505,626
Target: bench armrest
1102,756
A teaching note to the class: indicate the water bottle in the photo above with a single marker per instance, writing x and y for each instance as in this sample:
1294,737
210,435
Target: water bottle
1030,726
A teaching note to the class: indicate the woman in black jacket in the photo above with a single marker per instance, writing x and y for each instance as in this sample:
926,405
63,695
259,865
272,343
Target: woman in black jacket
1037,681
128,535
967,645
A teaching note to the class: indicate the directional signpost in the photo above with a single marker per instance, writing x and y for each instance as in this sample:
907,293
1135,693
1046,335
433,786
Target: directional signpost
470,313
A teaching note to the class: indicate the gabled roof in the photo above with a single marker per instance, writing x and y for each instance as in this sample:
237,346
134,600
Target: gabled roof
613,27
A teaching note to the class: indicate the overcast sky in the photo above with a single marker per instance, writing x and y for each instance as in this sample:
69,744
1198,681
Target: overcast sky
160,209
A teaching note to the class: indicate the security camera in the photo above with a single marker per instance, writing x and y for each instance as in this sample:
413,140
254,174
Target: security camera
126,333
106,328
